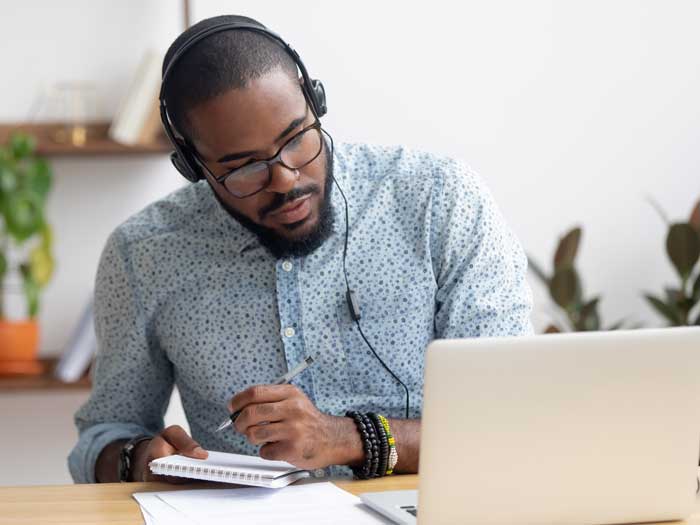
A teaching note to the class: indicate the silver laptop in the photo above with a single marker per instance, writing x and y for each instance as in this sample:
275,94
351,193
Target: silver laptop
579,428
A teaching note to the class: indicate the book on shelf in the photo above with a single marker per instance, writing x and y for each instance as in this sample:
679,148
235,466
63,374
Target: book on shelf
80,350
137,120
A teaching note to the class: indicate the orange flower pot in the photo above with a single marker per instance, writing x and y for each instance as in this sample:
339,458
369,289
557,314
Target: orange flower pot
19,346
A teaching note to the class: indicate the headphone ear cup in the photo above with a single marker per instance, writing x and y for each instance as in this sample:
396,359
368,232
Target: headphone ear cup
185,168
319,94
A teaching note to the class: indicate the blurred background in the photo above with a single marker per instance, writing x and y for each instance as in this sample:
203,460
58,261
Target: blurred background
575,114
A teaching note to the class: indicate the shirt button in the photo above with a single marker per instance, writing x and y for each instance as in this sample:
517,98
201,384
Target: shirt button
289,331
287,266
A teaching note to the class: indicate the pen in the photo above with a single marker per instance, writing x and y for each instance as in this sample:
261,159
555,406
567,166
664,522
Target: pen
286,378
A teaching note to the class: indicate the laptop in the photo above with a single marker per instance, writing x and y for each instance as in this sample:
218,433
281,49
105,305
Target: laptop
591,428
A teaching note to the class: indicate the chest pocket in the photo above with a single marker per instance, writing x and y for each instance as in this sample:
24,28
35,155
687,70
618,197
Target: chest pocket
398,327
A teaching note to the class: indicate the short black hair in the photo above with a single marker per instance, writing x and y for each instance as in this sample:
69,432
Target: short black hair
221,62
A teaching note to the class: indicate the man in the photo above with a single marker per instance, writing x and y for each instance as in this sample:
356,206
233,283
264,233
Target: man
230,282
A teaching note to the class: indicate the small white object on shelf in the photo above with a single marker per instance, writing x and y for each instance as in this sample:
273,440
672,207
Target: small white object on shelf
80,350
137,120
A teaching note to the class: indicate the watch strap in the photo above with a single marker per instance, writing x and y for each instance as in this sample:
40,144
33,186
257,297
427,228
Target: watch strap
126,457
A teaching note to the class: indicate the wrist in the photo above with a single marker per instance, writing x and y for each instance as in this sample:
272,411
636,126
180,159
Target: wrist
140,457
348,444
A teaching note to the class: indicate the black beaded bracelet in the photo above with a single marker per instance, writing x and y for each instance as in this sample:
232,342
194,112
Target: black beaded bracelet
374,439
365,471
383,444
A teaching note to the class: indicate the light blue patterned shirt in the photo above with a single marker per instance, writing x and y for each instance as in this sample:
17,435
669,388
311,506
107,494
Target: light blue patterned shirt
185,295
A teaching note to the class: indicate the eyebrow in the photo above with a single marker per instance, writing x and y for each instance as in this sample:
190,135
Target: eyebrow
243,154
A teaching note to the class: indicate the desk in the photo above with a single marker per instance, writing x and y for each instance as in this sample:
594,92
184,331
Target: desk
111,503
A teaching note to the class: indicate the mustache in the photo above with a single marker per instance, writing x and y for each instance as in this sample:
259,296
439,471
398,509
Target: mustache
282,199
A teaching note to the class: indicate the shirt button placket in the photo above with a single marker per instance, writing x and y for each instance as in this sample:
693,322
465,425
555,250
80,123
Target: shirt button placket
288,310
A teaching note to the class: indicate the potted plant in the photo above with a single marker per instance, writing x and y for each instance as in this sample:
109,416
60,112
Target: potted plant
680,306
566,290
25,247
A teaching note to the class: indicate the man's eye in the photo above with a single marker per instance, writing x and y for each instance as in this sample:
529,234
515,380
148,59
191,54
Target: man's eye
296,140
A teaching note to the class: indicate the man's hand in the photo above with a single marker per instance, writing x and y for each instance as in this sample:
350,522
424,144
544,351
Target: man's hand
290,428
172,440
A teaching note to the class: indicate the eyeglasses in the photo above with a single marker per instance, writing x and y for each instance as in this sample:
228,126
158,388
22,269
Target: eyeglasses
299,151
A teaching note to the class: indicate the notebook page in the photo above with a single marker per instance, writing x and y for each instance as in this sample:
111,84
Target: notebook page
298,504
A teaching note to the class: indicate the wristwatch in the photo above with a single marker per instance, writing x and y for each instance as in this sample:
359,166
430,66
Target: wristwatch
126,459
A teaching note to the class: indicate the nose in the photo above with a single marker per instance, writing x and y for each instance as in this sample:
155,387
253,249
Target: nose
283,179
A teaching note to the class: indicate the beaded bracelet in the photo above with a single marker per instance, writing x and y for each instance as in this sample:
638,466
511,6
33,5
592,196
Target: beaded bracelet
383,444
393,454
374,438
365,471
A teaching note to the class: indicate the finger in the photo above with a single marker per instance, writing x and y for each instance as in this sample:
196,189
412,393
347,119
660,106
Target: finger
159,447
278,451
261,394
256,414
183,443
261,434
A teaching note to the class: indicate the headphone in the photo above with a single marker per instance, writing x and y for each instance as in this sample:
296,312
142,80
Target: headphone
183,157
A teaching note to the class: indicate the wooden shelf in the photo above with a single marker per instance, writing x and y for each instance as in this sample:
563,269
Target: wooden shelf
45,381
97,143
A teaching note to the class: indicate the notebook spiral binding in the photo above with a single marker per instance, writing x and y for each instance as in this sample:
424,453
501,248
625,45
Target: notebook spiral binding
214,473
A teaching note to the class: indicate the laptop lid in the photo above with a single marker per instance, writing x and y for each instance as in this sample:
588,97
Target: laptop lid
597,427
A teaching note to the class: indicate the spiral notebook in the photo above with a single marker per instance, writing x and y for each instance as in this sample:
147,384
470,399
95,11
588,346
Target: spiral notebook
230,468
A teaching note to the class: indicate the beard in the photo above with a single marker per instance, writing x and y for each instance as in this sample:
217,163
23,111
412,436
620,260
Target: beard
280,246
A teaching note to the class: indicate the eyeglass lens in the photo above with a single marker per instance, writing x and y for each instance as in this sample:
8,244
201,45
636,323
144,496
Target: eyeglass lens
297,153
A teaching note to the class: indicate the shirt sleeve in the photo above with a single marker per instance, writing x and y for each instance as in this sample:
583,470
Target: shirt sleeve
132,377
480,265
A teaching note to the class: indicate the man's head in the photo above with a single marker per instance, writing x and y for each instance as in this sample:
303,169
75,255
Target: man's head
236,98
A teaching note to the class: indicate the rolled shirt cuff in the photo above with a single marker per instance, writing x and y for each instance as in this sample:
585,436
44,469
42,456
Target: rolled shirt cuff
83,457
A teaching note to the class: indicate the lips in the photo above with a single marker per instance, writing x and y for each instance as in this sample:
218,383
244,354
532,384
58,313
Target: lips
294,211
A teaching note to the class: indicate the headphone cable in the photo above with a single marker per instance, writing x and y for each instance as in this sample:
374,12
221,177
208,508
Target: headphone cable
352,302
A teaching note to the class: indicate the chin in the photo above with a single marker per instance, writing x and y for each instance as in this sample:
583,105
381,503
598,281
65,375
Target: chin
299,229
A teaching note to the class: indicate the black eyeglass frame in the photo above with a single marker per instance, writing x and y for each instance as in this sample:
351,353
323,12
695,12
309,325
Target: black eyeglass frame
276,158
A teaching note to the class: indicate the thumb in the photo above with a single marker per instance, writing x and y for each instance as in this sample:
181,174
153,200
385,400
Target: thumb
183,443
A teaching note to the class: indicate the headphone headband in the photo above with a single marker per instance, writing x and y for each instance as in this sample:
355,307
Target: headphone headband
182,158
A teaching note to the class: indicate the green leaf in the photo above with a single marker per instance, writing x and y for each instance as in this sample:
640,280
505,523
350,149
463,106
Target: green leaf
589,318
683,247
39,178
564,287
46,236
590,307
8,180
567,249
697,320
3,266
668,311
696,289
673,296
22,145
31,292
41,265
23,216
694,220
537,270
